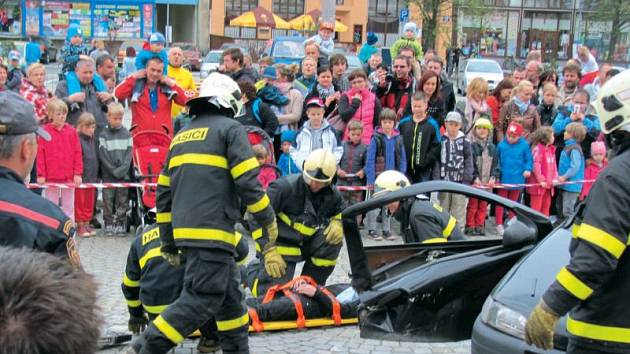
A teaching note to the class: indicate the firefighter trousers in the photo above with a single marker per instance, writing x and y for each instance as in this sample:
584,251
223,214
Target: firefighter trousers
576,347
211,291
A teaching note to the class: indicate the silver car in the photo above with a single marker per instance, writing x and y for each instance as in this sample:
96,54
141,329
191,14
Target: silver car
210,63
486,69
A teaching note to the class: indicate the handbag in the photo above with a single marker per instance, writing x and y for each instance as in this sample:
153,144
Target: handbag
334,119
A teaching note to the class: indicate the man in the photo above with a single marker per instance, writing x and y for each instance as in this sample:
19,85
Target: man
532,73
436,64
311,49
106,69
395,94
32,52
15,73
210,168
407,52
27,219
372,64
47,306
594,286
600,80
571,74
339,65
152,111
234,66
519,74
309,208
182,76
88,100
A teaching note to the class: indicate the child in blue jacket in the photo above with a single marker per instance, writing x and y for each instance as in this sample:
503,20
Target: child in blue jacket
577,111
71,52
516,162
152,48
285,163
571,167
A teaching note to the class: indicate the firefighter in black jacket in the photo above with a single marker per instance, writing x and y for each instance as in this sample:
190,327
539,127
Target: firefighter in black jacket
27,219
209,169
310,230
595,285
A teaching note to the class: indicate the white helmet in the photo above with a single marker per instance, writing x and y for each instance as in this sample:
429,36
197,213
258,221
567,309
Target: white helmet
389,181
320,166
221,91
613,103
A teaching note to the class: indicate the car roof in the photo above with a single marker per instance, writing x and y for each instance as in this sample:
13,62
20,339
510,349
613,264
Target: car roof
289,39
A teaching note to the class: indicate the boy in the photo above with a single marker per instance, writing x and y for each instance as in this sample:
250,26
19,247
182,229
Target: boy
153,47
386,152
73,50
286,164
268,172
339,66
324,39
571,167
421,138
15,74
408,40
114,154
316,133
351,168
456,165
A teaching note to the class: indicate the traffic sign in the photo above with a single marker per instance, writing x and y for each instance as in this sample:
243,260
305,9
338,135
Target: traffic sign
404,15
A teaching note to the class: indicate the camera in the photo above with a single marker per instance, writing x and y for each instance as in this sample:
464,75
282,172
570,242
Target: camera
389,77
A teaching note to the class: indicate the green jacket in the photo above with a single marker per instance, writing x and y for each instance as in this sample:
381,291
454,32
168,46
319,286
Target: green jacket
404,42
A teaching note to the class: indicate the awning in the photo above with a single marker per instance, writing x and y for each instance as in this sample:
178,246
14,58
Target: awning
309,21
260,17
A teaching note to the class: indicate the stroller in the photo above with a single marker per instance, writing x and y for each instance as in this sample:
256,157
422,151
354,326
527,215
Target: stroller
256,136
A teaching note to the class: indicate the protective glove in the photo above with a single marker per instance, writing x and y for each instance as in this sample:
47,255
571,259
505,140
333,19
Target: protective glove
540,326
275,265
171,254
334,232
137,324
272,232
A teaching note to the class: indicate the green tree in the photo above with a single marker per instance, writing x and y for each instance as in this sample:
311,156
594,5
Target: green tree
617,12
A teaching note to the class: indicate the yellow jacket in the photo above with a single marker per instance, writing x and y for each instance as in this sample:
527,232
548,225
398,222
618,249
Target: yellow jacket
184,80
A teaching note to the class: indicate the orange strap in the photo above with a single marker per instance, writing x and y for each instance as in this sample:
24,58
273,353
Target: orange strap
301,321
336,315
271,292
256,323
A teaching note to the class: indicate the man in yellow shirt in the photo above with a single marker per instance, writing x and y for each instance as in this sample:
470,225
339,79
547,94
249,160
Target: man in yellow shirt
182,76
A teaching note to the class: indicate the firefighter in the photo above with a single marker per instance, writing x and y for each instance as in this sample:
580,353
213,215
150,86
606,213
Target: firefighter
595,285
210,168
27,219
310,230
420,220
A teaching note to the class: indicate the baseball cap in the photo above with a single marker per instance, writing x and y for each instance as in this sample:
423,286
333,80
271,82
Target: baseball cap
157,38
18,117
315,102
14,55
453,117
515,129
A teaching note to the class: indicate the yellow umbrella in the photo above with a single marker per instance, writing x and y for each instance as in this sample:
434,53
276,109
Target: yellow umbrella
308,22
260,17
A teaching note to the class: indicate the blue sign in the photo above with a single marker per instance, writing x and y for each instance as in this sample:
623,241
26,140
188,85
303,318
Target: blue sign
404,15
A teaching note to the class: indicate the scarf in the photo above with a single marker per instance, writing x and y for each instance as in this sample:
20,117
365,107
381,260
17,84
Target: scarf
522,106
284,87
325,92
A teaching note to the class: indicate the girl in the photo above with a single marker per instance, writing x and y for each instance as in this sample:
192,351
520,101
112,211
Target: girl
594,166
84,198
519,110
476,105
430,84
360,104
545,170
548,109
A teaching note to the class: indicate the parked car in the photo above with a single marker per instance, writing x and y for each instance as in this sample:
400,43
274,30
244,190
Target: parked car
48,48
287,50
487,69
242,47
353,62
210,63
192,55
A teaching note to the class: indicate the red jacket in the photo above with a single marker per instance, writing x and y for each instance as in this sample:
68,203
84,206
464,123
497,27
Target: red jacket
59,159
142,118
545,168
591,171
495,106
268,173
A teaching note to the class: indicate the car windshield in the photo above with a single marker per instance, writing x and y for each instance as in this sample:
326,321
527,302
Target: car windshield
288,50
353,61
484,67
213,57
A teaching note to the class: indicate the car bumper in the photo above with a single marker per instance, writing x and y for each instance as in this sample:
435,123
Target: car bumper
487,340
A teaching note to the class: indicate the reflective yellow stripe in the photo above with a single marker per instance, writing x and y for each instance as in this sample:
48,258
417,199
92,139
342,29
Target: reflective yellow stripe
243,167
228,325
171,333
255,288
289,251
321,262
448,230
338,216
163,218
573,285
575,230
597,332
152,253
134,303
155,310
242,261
237,237
205,234
259,205
435,240
130,283
164,180
258,249
299,227
602,239
258,233
198,159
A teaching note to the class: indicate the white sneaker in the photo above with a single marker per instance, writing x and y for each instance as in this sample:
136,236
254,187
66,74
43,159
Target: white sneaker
500,230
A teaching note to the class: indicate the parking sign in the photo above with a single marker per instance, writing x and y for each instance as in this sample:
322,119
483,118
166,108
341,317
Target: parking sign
404,15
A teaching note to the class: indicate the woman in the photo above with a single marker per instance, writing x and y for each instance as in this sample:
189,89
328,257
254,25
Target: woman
4,74
359,103
326,90
99,49
501,94
129,63
520,110
256,113
476,105
308,76
34,90
292,112
430,84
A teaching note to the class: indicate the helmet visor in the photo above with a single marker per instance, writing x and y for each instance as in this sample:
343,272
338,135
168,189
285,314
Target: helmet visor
318,175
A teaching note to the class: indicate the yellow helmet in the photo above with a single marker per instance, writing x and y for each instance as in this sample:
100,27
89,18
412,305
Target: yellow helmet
613,103
389,181
484,123
320,166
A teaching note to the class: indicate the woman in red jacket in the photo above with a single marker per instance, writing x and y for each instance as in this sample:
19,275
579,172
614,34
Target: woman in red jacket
501,94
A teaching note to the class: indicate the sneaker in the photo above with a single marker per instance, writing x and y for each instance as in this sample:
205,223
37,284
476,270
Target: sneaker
94,223
389,236
469,230
500,230
120,230
479,231
90,230
82,230
109,230
372,235
207,345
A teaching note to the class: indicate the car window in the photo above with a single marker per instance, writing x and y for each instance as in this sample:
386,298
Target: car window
288,50
353,61
213,57
187,47
484,67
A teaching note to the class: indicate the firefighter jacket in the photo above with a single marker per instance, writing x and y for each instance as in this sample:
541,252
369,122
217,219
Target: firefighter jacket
209,166
423,221
595,284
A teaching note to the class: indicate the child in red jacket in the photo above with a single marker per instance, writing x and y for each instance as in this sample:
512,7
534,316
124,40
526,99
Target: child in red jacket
545,171
268,172
594,166
59,160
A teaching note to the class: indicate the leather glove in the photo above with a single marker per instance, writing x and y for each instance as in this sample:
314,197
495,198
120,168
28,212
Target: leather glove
171,255
275,265
540,326
272,232
334,232
137,324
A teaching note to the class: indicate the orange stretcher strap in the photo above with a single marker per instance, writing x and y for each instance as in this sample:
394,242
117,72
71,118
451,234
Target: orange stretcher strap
336,314
297,302
256,323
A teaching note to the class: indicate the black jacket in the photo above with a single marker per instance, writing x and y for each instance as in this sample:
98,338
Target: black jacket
420,221
90,158
315,93
14,79
448,95
547,114
422,136
245,74
264,119
435,109
595,284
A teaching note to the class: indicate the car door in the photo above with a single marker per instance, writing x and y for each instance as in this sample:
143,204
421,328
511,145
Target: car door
433,291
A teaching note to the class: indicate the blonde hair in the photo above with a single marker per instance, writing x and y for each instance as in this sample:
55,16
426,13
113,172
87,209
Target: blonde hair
86,119
288,71
577,130
309,59
355,125
99,44
477,85
523,85
34,67
549,88
260,152
115,108
56,105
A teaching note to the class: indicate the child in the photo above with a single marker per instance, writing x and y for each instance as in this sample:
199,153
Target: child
408,40
351,168
386,152
571,167
486,173
577,111
153,47
324,39
286,164
114,154
545,172
268,92
59,160
84,198
73,50
594,166
181,120
547,108
421,137
515,163
268,172
316,133
456,165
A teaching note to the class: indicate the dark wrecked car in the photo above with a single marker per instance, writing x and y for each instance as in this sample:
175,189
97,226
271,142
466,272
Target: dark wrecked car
435,292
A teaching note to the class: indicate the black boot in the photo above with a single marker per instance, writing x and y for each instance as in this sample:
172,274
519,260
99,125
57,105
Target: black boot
207,345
